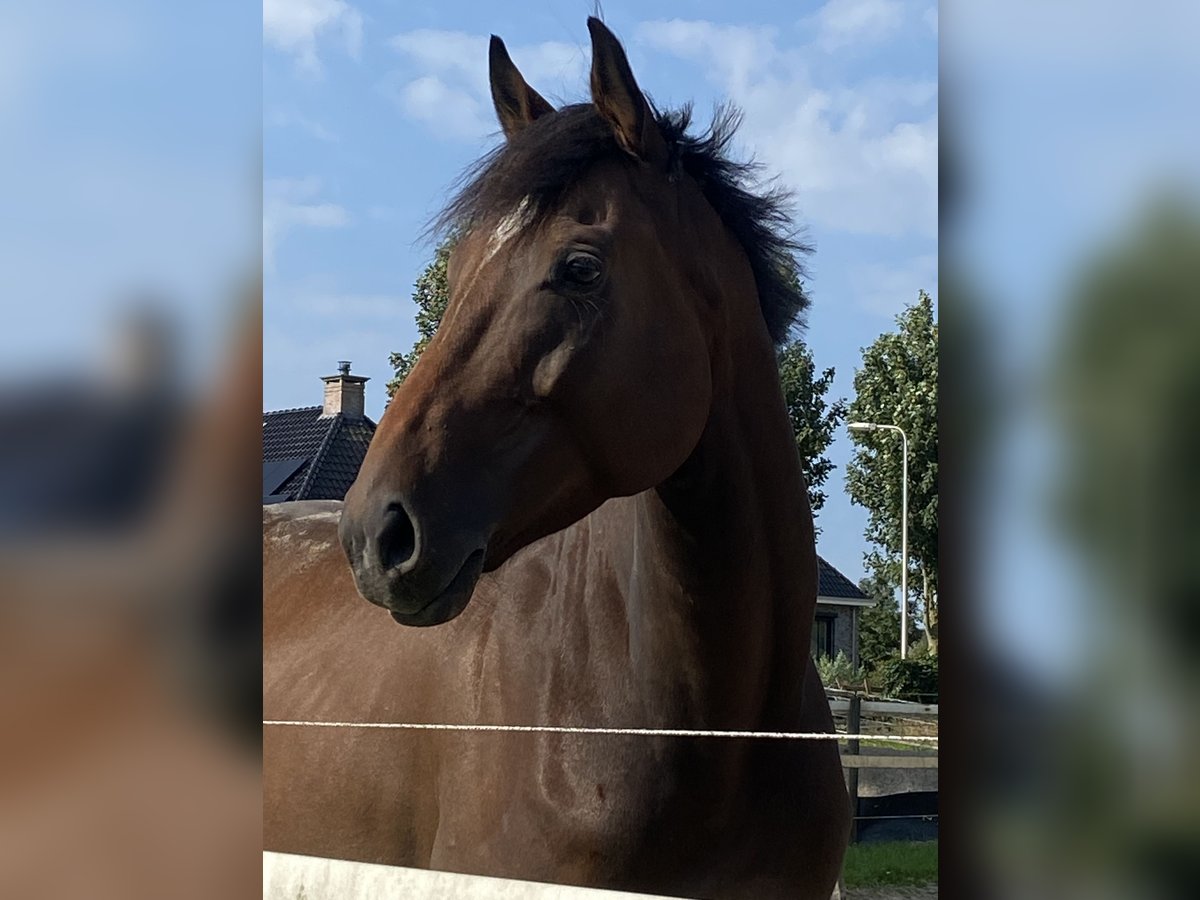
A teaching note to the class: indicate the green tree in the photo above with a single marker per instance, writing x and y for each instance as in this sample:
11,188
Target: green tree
897,384
879,625
431,294
815,420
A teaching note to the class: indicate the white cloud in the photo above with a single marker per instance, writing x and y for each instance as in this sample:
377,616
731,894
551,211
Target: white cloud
443,51
737,53
447,111
842,23
887,289
355,307
294,26
861,157
444,83
281,118
465,57
288,203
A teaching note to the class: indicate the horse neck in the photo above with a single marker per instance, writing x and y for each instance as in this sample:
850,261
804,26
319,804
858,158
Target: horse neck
732,533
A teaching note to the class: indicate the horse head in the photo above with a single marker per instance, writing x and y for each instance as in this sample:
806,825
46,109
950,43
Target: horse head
589,296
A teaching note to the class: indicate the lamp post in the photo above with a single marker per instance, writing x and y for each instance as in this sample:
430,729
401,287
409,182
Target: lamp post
874,426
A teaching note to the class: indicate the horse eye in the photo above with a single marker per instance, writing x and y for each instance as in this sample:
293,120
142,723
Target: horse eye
581,268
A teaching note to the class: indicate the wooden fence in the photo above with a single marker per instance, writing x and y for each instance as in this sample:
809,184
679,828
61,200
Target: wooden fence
854,707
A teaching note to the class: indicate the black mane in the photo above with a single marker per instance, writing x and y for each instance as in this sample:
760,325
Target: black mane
545,159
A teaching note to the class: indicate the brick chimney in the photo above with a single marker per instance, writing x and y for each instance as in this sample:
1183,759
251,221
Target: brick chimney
344,393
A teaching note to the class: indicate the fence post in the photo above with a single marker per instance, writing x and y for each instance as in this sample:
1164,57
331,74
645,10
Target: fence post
853,720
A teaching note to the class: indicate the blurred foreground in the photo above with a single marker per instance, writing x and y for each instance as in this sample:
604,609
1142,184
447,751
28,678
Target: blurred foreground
129,421
1071,300
130,665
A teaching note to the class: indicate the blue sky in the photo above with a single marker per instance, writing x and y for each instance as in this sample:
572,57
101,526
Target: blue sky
371,109
128,163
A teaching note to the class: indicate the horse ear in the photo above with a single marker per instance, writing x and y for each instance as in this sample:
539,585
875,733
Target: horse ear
619,99
517,104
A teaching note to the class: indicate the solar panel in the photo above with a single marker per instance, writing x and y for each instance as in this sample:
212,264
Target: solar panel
277,471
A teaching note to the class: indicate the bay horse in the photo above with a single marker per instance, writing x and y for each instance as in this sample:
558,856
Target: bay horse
586,498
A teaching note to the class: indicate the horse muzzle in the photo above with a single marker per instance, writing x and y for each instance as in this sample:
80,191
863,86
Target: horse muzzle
396,566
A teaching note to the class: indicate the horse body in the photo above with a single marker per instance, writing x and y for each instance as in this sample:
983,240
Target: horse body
589,485
574,630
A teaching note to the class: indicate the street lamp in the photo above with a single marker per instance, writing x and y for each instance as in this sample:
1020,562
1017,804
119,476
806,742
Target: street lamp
874,426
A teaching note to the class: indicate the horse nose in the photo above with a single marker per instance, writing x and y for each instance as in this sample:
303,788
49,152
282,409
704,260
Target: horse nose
420,570
383,539
396,540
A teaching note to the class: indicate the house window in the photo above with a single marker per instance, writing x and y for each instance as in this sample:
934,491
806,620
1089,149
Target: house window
822,636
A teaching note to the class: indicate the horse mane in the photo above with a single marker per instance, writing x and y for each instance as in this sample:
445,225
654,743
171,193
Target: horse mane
542,161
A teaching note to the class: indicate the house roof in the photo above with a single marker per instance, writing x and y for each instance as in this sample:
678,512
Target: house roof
307,456
834,587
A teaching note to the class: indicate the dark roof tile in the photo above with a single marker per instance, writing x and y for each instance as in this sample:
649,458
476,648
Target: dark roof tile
333,448
832,583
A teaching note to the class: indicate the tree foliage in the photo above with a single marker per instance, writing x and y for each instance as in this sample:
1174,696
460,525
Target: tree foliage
814,418
879,625
913,679
431,294
897,384
838,672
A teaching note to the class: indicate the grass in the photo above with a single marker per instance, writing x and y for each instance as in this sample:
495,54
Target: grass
899,863
918,746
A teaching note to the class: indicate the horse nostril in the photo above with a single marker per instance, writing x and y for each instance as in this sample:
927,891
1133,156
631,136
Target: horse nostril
397,538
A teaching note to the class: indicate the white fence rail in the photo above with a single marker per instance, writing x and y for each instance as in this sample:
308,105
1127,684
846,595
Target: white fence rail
886,708
287,876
